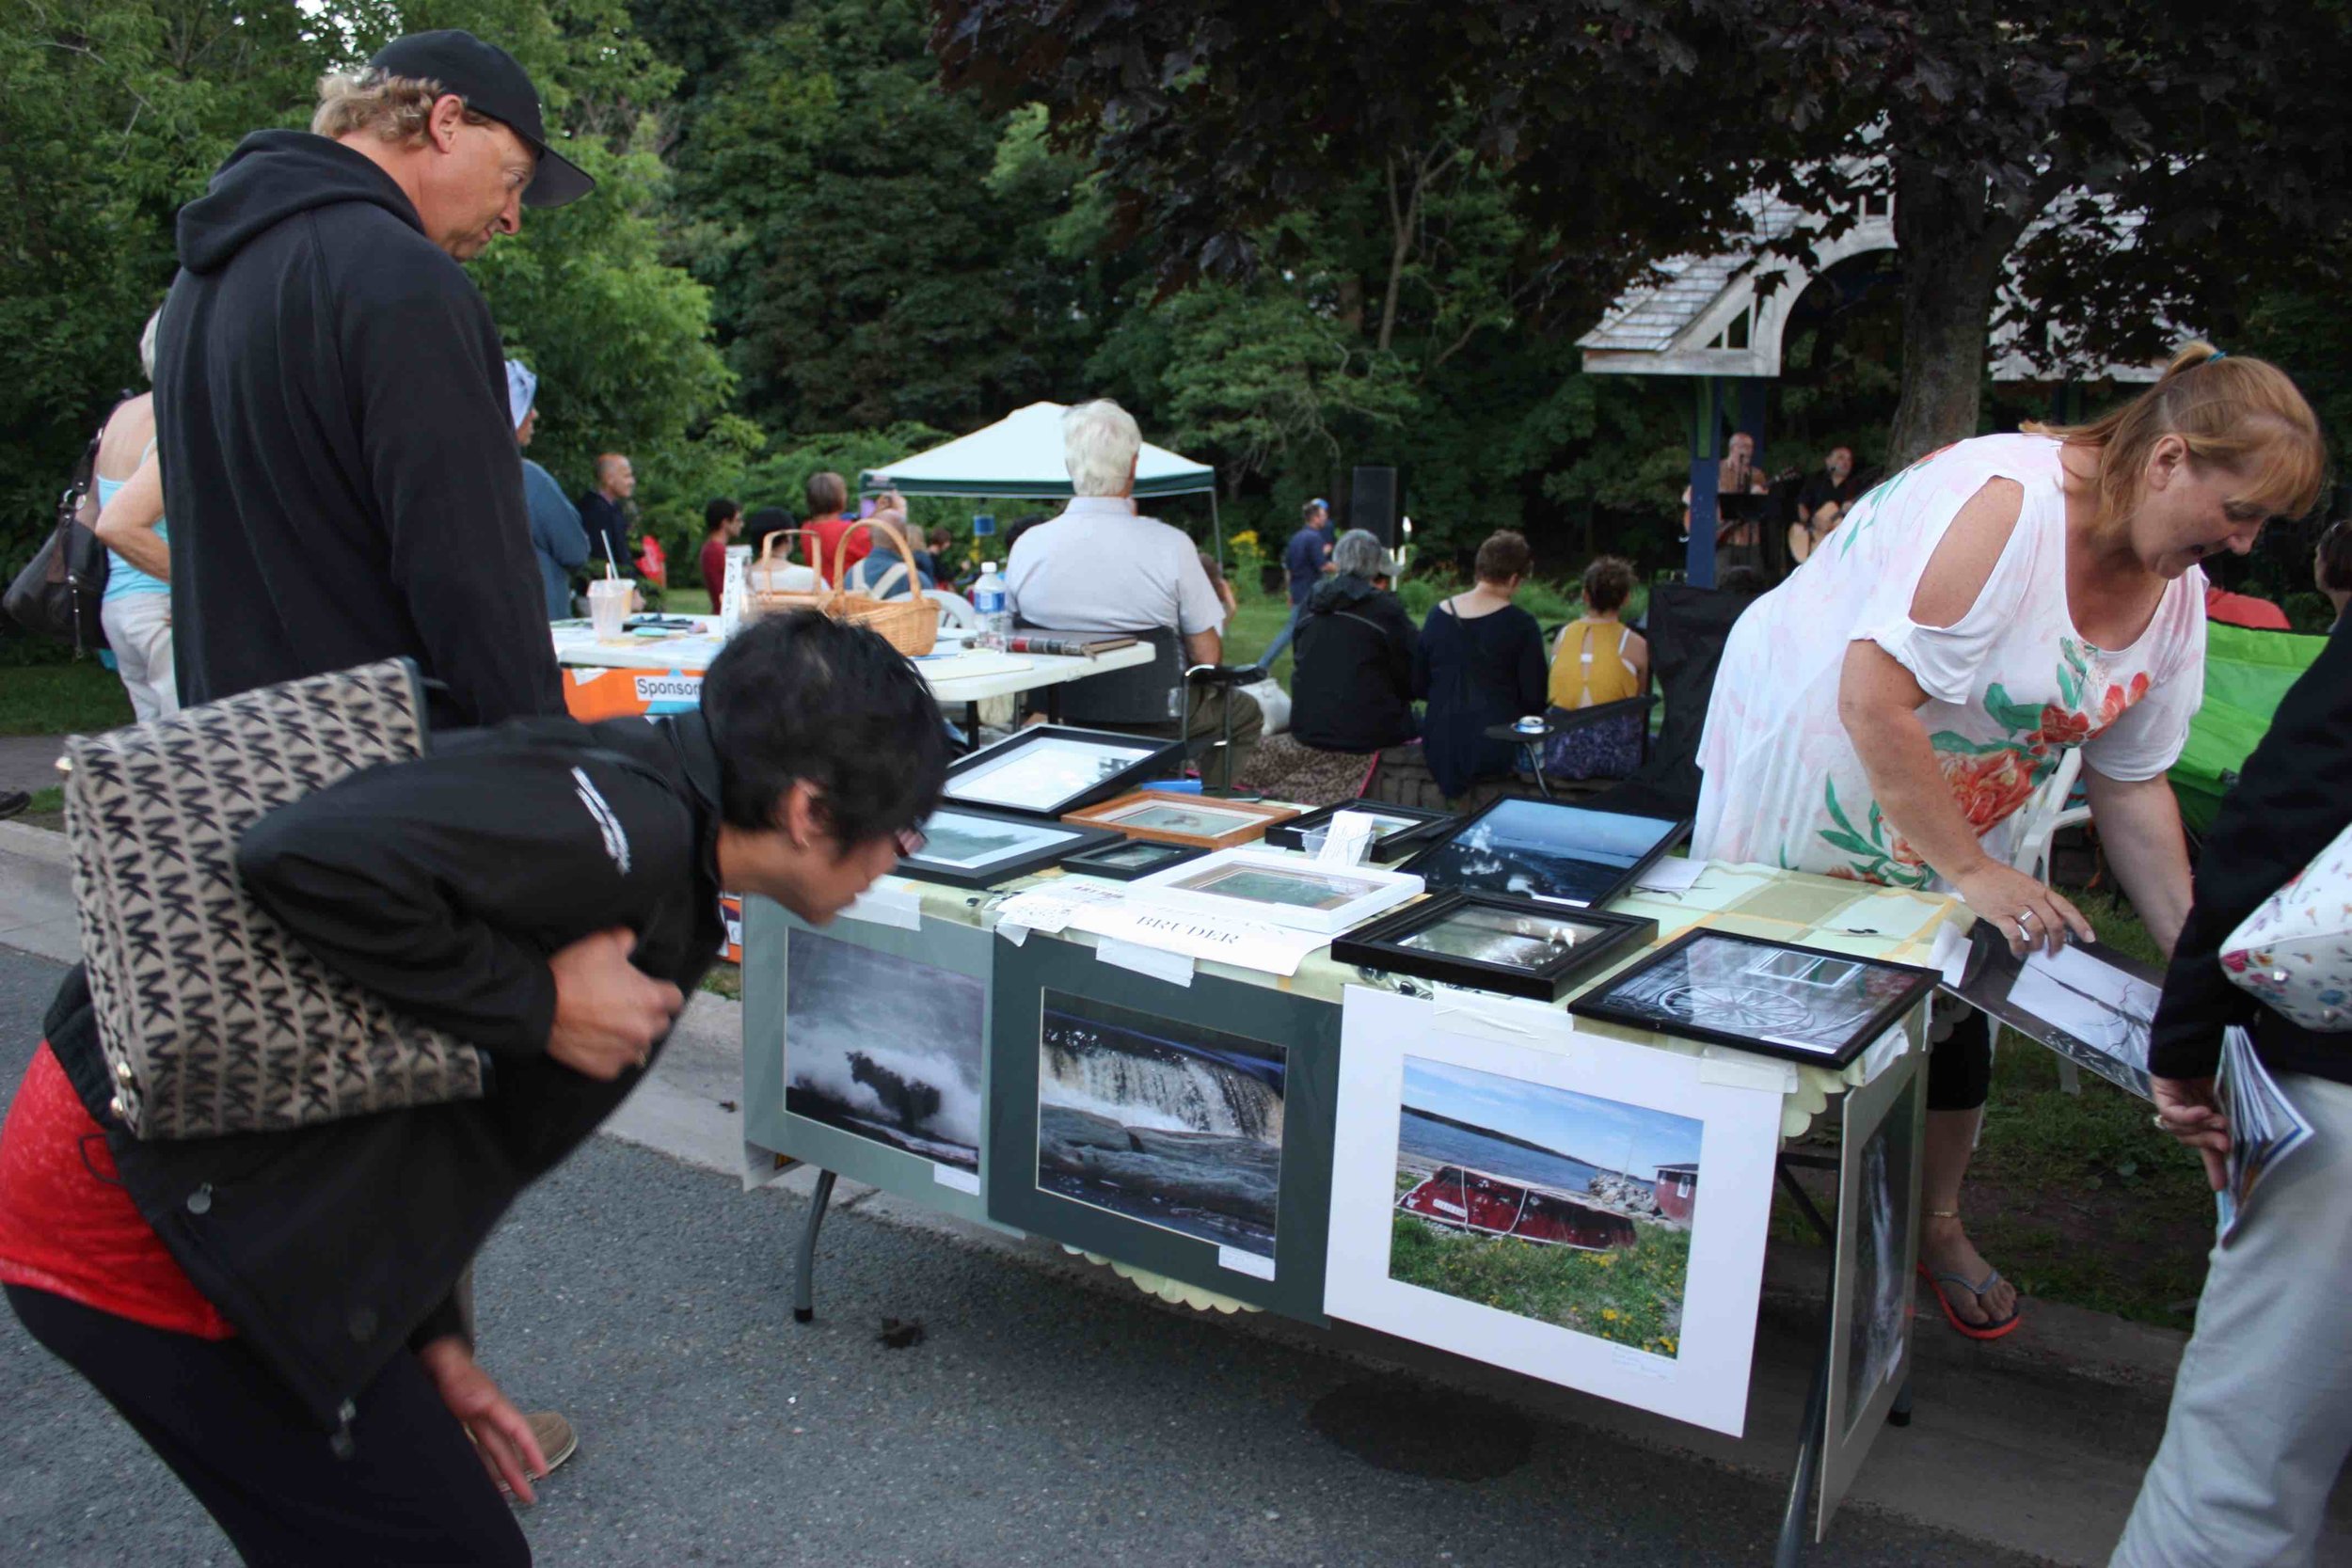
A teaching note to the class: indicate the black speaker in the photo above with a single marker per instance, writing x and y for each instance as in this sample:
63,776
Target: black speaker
1372,503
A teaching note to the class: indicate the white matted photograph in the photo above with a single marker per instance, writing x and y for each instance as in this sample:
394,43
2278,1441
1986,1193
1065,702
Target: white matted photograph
1282,888
1539,1206
1044,773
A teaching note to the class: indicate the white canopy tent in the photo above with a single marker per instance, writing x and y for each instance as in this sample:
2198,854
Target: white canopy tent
1021,456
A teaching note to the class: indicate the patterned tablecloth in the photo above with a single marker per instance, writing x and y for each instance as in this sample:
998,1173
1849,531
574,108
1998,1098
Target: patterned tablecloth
1842,916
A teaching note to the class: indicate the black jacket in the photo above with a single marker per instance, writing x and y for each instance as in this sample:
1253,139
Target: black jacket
2290,801
340,468
444,885
607,526
1351,674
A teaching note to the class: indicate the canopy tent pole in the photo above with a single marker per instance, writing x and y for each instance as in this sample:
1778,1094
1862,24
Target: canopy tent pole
1216,527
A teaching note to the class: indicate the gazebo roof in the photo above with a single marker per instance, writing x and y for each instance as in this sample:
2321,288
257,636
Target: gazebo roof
1707,315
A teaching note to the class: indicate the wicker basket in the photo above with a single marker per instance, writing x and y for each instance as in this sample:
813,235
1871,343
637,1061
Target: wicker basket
910,625
764,598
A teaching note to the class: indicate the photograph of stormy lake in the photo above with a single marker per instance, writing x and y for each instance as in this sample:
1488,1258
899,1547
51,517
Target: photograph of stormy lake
885,1048
1160,1120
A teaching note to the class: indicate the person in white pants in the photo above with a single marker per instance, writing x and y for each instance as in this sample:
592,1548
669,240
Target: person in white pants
128,492
2262,1412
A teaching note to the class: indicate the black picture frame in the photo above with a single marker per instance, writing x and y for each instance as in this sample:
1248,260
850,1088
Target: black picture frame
1166,760
1100,862
1619,999
1393,844
1306,1031
1379,945
1066,839
1434,863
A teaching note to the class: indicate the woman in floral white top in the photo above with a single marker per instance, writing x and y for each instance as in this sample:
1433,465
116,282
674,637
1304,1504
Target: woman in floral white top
1885,713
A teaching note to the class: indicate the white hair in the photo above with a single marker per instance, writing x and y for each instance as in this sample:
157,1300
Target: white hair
1099,443
147,345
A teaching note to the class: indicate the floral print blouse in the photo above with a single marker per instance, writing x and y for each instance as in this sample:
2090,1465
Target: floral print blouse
2012,685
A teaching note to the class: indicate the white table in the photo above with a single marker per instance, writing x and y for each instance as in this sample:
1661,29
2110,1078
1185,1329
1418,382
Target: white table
953,674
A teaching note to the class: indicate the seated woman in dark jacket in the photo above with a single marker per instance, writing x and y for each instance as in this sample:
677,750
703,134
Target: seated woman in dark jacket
272,1310
1352,678
1480,663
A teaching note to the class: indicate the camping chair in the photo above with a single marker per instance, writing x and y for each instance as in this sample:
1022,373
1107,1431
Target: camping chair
955,610
1140,696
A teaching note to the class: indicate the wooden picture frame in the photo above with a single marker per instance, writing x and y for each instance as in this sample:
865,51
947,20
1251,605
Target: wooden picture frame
1157,815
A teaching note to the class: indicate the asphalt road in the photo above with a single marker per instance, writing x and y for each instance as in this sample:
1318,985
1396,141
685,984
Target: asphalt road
1039,1421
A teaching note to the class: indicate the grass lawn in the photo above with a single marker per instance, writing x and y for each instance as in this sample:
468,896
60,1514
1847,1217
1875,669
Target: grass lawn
62,699
1628,1295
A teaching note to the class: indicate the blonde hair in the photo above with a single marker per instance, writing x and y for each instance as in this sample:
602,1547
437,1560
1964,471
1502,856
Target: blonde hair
147,343
2242,415
394,108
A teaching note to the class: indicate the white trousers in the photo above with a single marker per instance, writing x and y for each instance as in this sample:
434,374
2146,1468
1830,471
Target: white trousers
138,630
2261,1413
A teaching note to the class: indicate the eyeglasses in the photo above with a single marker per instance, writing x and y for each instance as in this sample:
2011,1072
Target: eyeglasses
911,842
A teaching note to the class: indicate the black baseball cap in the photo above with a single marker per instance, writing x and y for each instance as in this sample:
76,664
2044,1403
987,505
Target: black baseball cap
487,78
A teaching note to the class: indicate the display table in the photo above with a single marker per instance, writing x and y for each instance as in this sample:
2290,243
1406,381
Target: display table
954,936
655,675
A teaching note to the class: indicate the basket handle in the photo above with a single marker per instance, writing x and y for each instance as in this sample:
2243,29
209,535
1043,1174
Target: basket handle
896,536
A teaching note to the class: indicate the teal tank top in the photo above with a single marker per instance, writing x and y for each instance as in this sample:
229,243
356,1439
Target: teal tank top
122,578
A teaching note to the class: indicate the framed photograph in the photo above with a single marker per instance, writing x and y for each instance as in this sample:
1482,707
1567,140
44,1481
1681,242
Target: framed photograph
1495,943
1051,768
980,849
1871,1309
1544,849
2089,1003
1200,822
1400,830
864,1052
1282,888
1181,1128
1130,858
1770,997
1571,1208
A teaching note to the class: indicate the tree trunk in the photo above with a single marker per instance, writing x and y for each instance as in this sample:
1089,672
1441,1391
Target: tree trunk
1954,241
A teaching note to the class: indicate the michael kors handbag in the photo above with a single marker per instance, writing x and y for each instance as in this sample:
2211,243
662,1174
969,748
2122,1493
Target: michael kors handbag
214,1018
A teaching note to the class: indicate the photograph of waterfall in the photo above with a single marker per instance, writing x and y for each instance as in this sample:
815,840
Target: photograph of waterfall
1883,1280
885,1048
1174,1124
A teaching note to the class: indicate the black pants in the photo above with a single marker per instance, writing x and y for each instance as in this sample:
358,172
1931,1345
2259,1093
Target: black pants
412,1491
1960,1066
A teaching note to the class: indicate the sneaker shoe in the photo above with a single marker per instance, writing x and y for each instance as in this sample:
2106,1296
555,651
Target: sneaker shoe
558,1442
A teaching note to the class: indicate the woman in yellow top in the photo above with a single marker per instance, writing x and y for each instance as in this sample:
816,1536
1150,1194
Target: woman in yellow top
1598,658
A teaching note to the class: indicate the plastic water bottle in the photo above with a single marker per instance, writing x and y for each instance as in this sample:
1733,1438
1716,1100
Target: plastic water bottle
995,608
735,595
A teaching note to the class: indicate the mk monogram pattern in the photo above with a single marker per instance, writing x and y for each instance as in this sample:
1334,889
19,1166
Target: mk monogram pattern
213,1017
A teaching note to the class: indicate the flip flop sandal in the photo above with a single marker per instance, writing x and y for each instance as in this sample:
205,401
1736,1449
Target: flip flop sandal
1992,1328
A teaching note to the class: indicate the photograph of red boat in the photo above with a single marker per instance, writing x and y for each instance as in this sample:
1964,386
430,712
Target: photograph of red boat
1465,1199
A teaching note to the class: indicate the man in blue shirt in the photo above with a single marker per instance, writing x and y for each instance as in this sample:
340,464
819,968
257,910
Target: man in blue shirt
1306,559
556,539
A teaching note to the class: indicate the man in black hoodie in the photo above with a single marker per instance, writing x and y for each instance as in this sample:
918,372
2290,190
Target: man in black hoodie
339,469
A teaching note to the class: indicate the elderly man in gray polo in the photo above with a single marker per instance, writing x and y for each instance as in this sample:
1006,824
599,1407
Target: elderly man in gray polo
1101,567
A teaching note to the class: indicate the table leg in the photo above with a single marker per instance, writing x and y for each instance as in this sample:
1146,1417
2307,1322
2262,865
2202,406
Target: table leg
971,727
1053,703
1789,1550
804,1283
1536,768
1898,1413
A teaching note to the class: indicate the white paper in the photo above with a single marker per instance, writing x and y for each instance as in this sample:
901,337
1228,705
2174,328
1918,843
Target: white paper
1250,1263
1738,1069
2078,971
1950,955
957,1176
2094,1002
1672,874
1012,933
1175,968
901,908
1248,945
1348,836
